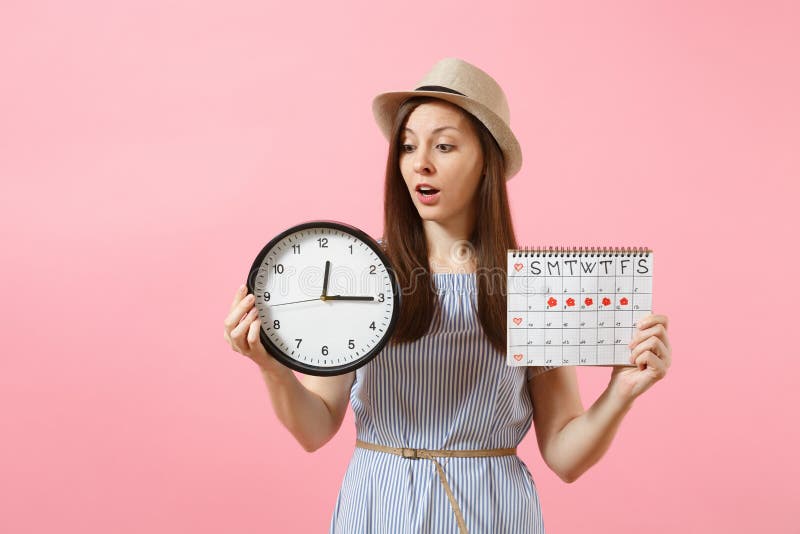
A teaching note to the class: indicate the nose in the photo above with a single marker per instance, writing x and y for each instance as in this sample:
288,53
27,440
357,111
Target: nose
422,163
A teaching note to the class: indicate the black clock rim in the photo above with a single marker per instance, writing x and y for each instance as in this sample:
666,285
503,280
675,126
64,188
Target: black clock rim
291,363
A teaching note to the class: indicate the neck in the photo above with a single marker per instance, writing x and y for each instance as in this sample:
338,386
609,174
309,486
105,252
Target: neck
449,246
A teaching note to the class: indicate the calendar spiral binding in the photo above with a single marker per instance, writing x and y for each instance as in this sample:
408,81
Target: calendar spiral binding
579,251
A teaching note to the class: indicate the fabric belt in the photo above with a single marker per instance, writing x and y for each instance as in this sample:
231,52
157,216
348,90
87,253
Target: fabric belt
415,454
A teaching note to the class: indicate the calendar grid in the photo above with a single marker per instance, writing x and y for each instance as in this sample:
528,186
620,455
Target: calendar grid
595,295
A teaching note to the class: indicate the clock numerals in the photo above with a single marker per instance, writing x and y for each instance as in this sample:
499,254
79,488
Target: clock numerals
324,351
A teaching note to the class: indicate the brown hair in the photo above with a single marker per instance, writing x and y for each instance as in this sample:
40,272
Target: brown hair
405,244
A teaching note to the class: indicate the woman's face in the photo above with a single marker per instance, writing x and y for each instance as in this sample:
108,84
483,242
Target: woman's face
440,148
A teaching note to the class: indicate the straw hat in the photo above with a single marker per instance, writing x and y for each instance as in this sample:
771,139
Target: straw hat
468,87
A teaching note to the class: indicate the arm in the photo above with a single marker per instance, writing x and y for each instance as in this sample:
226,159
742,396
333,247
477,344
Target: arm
312,410
571,439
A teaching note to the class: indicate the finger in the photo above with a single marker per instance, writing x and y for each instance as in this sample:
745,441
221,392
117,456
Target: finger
240,293
252,334
649,320
652,344
237,313
648,360
240,329
238,334
657,330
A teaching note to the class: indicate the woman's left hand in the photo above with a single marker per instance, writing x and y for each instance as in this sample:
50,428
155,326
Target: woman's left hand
652,355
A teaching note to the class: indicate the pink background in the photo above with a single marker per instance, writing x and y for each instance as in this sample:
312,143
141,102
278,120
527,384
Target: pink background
148,150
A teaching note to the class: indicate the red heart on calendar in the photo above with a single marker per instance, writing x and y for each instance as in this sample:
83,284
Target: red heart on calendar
570,302
517,320
518,266
588,301
518,357
623,301
606,301
551,302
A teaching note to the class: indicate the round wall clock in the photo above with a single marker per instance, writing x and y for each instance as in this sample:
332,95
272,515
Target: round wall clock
327,297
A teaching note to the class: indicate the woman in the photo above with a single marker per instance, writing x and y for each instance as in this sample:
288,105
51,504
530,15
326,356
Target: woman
439,413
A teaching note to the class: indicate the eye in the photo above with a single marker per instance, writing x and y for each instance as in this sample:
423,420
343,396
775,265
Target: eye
409,148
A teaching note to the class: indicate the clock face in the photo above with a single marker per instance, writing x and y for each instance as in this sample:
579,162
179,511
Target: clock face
326,295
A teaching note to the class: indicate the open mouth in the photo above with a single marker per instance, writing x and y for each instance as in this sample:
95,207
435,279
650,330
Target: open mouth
427,191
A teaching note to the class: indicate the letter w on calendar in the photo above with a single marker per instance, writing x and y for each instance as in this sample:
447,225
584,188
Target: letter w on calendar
576,307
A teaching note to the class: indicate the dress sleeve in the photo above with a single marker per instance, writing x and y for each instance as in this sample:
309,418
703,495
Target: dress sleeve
534,370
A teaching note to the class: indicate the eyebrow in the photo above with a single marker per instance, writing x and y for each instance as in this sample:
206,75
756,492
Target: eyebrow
440,128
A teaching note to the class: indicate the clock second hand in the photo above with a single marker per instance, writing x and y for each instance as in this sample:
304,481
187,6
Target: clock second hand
329,297
295,302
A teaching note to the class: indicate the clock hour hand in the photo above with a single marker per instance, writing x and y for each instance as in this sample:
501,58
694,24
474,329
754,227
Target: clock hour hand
340,297
325,280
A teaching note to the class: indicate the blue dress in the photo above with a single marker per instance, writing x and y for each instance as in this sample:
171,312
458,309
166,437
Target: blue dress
450,389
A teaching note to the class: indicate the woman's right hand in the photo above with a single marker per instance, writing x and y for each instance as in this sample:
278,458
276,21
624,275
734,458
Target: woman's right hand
242,331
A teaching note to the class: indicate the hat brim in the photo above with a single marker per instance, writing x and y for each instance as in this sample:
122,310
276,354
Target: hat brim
385,105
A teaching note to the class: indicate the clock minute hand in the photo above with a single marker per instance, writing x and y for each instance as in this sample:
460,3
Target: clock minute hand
325,280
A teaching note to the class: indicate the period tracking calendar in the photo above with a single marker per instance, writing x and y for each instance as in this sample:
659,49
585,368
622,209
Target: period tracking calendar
576,306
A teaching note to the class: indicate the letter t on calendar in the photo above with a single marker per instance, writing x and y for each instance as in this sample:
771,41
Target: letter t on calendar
576,306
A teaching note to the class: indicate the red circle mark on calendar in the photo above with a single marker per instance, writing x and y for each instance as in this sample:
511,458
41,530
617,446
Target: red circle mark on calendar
606,301
551,302
588,301
570,302
623,301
